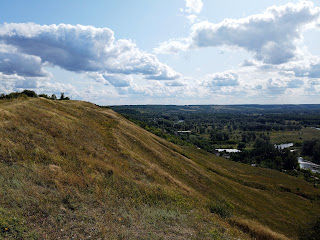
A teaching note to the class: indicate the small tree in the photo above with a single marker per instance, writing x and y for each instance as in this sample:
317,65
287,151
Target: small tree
53,97
62,96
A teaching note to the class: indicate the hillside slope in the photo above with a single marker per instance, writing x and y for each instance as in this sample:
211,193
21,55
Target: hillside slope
73,170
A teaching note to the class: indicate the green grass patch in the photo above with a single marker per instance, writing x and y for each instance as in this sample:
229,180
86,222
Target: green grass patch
12,226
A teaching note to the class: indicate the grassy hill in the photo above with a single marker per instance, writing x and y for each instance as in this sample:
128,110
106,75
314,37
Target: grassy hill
73,170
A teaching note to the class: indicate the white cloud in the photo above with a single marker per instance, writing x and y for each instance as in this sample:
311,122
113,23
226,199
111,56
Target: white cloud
79,49
98,77
192,18
193,6
270,36
276,86
176,83
117,80
295,83
286,73
314,71
223,79
248,63
173,46
314,82
307,67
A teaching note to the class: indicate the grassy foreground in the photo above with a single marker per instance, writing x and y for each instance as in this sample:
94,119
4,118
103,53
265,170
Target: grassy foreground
72,170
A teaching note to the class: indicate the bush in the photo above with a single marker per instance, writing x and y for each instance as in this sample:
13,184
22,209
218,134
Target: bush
29,93
24,93
221,207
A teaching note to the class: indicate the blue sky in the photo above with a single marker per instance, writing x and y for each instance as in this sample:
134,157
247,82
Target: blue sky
163,52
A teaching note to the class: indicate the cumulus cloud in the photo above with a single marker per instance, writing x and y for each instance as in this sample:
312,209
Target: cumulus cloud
248,63
173,46
308,67
79,49
314,82
98,77
12,62
276,86
223,79
314,71
258,87
270,36
295,83
118,80
193,6
176,83
286,73
192,18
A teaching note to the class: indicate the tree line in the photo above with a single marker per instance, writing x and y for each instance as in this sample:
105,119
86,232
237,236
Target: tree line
32,94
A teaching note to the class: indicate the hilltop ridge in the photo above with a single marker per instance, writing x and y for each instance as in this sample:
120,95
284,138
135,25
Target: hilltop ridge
73,169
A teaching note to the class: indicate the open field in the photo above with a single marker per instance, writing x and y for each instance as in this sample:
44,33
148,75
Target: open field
295,136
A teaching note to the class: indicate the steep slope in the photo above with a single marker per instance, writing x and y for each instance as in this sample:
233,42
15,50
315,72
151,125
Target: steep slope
72,169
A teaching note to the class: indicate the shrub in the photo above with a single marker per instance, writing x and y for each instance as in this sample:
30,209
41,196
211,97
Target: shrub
29,93
221,207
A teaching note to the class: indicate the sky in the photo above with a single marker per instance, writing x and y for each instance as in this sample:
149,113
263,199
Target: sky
177,52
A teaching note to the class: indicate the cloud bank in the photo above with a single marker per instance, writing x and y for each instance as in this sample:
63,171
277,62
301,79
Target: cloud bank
74,48
270,36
